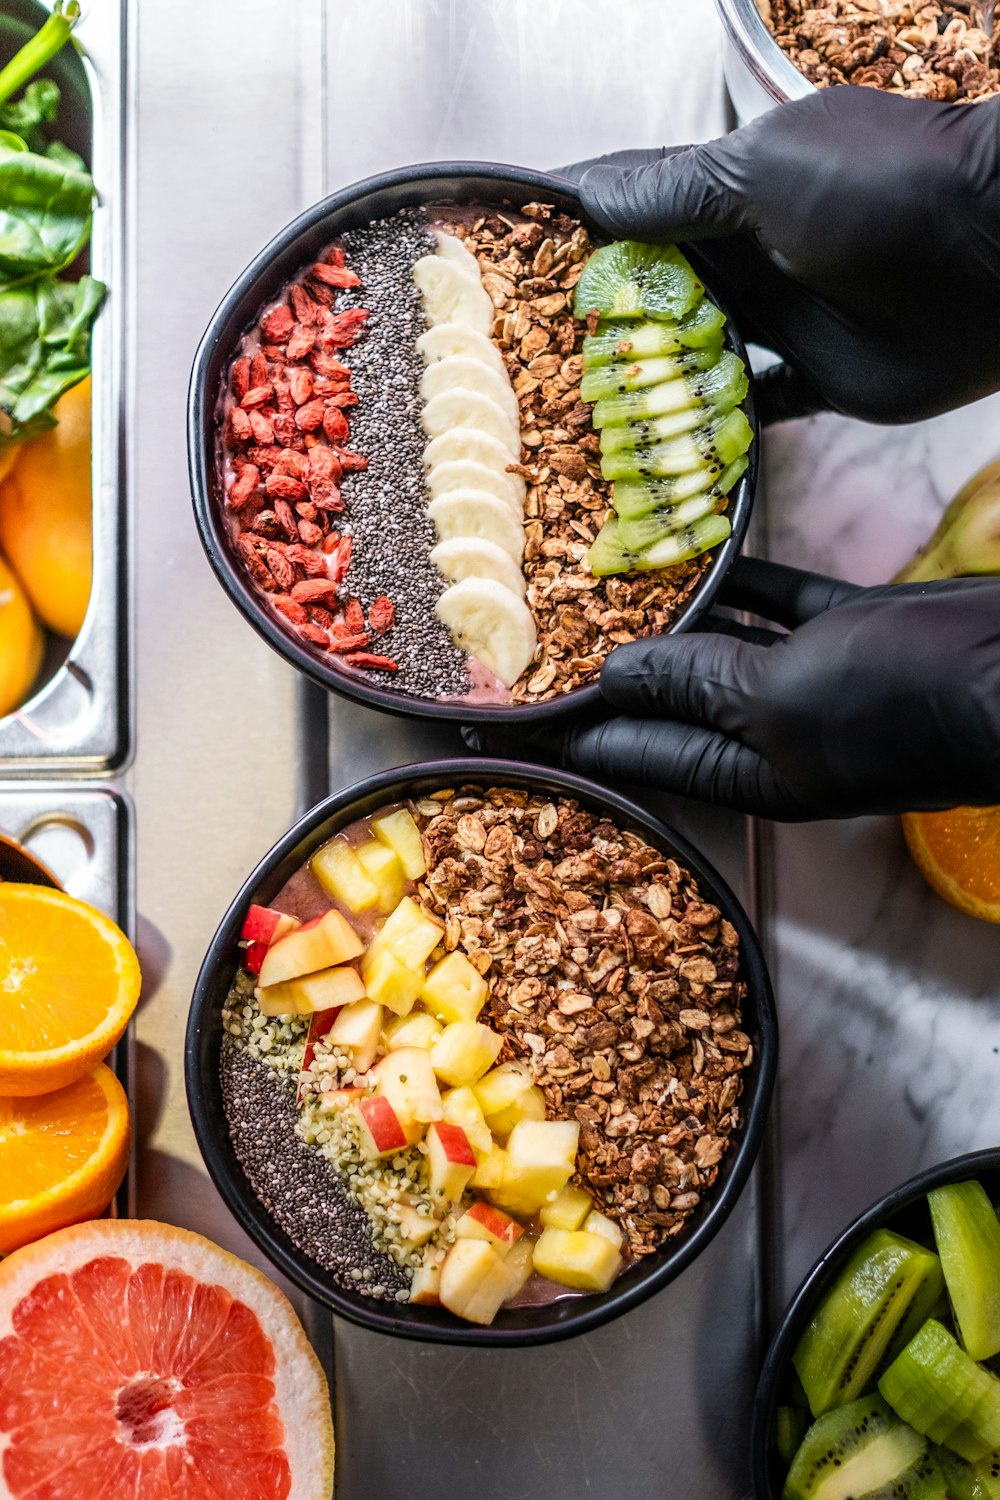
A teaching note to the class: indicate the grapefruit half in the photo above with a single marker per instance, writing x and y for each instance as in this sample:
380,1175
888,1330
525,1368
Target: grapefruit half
141,1362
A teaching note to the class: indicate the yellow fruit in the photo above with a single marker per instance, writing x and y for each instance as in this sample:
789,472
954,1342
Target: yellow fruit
64,1155
45,525
21,643
958,854
69,982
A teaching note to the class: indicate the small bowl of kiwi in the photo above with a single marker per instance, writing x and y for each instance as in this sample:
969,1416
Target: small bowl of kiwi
883,1380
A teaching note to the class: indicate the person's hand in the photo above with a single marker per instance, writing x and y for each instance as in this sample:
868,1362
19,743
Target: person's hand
878,700
855,233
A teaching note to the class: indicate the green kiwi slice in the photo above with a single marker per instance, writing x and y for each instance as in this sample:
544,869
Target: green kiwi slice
862,1451
707,450
941,1392
638,497
629,280
633,375
633,420
790,1425
613,341
839,1353
645,531
609,554
967,1233
967,1481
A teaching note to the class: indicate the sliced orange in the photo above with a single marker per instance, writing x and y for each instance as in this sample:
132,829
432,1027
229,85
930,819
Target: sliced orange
958,853
141,1361
63,1156
21,643
69,981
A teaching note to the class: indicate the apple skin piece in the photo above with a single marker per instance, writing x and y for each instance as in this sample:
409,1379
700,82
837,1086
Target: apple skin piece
464,1051
385,872
484,1222
262,924
425,1288
327,940
459,1107
343,876
406,1079
399,832
328,990
598,1223
454,990
381,1130
417,1228
418,1029
474,1281
588,1262
358,1027
507,1095
451,1161
520,1263
568,1209
253,957
391,983
410,934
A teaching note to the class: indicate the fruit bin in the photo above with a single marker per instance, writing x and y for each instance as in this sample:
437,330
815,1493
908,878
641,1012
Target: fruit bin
78,715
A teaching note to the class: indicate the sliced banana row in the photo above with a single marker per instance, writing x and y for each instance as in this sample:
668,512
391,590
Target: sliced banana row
472,423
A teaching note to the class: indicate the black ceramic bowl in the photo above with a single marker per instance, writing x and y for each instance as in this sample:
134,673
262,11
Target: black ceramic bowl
261,282
529,1325
904,1210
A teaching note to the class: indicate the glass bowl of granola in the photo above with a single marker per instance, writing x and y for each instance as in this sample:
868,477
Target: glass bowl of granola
481,1054
399,476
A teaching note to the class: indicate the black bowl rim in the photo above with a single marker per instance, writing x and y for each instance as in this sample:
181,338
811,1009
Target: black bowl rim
204,1089
211,528
776,1361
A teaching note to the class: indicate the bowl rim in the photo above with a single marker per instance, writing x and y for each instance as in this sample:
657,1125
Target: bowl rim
815,1281
219,338
758,50
204,1087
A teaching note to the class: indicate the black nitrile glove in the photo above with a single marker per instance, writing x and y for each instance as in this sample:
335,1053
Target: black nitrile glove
879,700
855,233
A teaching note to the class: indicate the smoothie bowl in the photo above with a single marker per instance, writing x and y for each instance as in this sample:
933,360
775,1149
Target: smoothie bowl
447,451
481,1054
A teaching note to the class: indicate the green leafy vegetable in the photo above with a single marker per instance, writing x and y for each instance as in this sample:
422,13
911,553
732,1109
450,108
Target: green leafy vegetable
45,214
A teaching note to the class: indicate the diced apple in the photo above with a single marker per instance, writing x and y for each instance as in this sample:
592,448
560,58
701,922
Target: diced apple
425,1288
407,1080
335,1099
417,1228
262,924
384,870
541,1159
418,1029
327,990
253,957
598,1223
358,1027
450,1161
454,990
490,1170
399,833
520,1262
474,1281
460,1108
343,876
484,1222
319,944
409,933
381,1130
464,1051
391,983
567,1210
507,1095
589,1262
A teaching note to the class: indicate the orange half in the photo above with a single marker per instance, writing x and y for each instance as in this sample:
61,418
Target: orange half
958,853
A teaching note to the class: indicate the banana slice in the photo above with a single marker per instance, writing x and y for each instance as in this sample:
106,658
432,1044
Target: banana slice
467,474
471,444
458,338
451,248
459,370
475,557
458,407
468,513
451,296
491,623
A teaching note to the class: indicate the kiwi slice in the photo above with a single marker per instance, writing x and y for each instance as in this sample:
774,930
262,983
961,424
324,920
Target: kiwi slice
940,1391
638,497
634,417
613,341
633,375
967,1481
707,450
629,280
838,1354
609,554
862,1451
967,1233
790,1425
644,531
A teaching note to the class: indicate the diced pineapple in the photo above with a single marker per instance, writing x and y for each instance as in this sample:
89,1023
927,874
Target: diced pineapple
541,1158
489,1171
416,1228
399,832
358,1027
520,1262
464,1051
460,1108
567,1210
450,1161
507,1095
406,1079
454,990
311,992
343,876
484,1222
574,1258
598,1223
474,1281
527,1106
418,1029
409,933
391,983
425,1288
384,870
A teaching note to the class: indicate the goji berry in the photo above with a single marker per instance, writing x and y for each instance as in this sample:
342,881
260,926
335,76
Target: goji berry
310,533
338,276
309,417
290,609
258,370
366,659
335,256
300,342
285,487
243,486
335,424
314,634
287,519
312,589
300,385
258,395
343,643
240,430
306,310
382,615
240,377
340,558
354,616
261,428
278,324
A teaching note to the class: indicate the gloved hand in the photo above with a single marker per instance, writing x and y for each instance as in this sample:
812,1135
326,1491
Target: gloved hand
855,233
878,700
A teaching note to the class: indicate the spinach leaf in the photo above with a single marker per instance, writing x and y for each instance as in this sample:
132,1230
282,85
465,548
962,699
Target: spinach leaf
36,107
44,350
45,214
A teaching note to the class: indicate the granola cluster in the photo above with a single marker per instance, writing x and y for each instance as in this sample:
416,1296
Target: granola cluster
529,270
612,977
921,51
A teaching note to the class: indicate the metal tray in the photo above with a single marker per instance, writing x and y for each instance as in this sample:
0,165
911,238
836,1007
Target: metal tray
79,719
